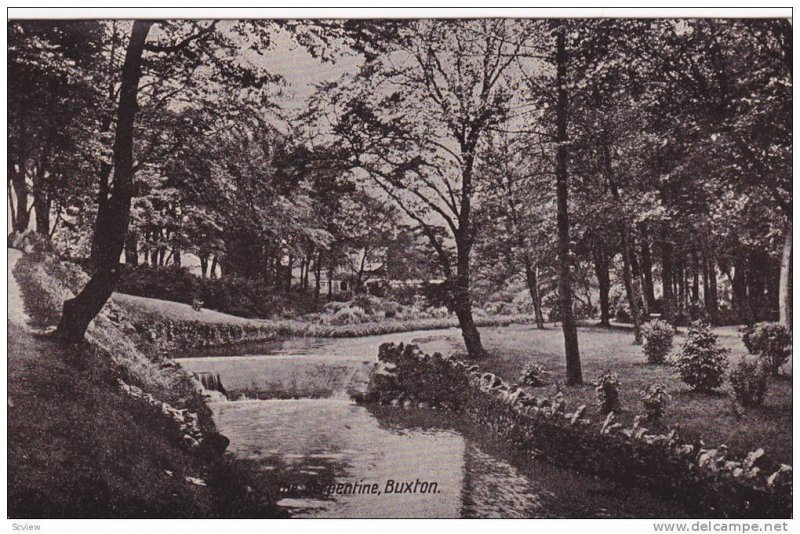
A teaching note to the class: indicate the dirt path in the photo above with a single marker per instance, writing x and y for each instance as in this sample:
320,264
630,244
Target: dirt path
16,306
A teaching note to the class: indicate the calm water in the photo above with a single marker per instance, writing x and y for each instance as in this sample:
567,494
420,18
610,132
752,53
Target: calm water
308,445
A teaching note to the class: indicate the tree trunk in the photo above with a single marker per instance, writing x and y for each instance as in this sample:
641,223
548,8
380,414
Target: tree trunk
22,217
11,209
601,270
41,205
79,311
696,278
462,304
714,295
668,304
288,274
131,250
711,299
212,270
630,284
533,288
330,281
203,266
317,278
574,374
785,285
681,279
638,280
629,266
647,277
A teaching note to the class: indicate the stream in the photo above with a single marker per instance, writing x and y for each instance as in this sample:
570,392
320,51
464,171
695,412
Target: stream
293,420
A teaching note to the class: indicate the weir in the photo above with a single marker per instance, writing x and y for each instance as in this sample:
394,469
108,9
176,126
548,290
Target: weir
283,376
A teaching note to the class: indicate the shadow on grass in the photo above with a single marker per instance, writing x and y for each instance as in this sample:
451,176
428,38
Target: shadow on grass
691,394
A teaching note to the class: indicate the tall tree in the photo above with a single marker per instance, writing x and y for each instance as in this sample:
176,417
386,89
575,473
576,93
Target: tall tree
79,311
574,373
414,121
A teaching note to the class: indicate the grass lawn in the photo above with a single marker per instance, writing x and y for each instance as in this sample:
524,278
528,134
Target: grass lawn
714,417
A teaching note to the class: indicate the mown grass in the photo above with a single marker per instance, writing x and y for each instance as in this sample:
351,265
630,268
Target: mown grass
713,417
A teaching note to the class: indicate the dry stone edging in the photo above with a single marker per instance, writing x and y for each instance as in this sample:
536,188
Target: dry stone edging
706,480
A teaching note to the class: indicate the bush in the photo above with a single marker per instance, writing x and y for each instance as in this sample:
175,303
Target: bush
622,315
349,316
749,382
608,392
534,376
438,294
658,336
702,361
655,399
230,294
771,341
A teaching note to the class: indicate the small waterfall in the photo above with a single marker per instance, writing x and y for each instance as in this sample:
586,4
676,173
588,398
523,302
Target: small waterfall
212,385
280,377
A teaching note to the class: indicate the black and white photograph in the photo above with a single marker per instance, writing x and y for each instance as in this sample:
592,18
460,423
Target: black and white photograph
400,264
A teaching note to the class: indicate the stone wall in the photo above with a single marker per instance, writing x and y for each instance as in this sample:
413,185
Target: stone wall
171,337
709,482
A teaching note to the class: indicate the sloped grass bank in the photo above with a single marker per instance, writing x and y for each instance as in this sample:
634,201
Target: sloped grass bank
80,446
175,326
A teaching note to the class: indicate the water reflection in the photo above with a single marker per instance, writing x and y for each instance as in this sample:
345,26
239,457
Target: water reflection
310,446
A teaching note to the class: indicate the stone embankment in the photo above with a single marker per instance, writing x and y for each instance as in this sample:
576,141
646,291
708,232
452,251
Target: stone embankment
709,482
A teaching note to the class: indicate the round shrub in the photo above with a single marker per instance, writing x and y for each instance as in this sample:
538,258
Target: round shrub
658,336
771,341
348,315
749,382
607,388
534,375
622,315
655,399
702,362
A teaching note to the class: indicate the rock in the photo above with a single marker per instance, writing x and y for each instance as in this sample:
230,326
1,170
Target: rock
753,458
577,414
608,423
781,477
189,441
214,444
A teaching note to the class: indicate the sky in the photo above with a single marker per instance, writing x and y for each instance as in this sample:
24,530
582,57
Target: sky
300,69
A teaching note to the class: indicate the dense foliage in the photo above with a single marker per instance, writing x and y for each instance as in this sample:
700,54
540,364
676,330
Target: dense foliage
655,400
570,168
771,341
702,361
607,389
231,294
749,382
535,375
658,336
